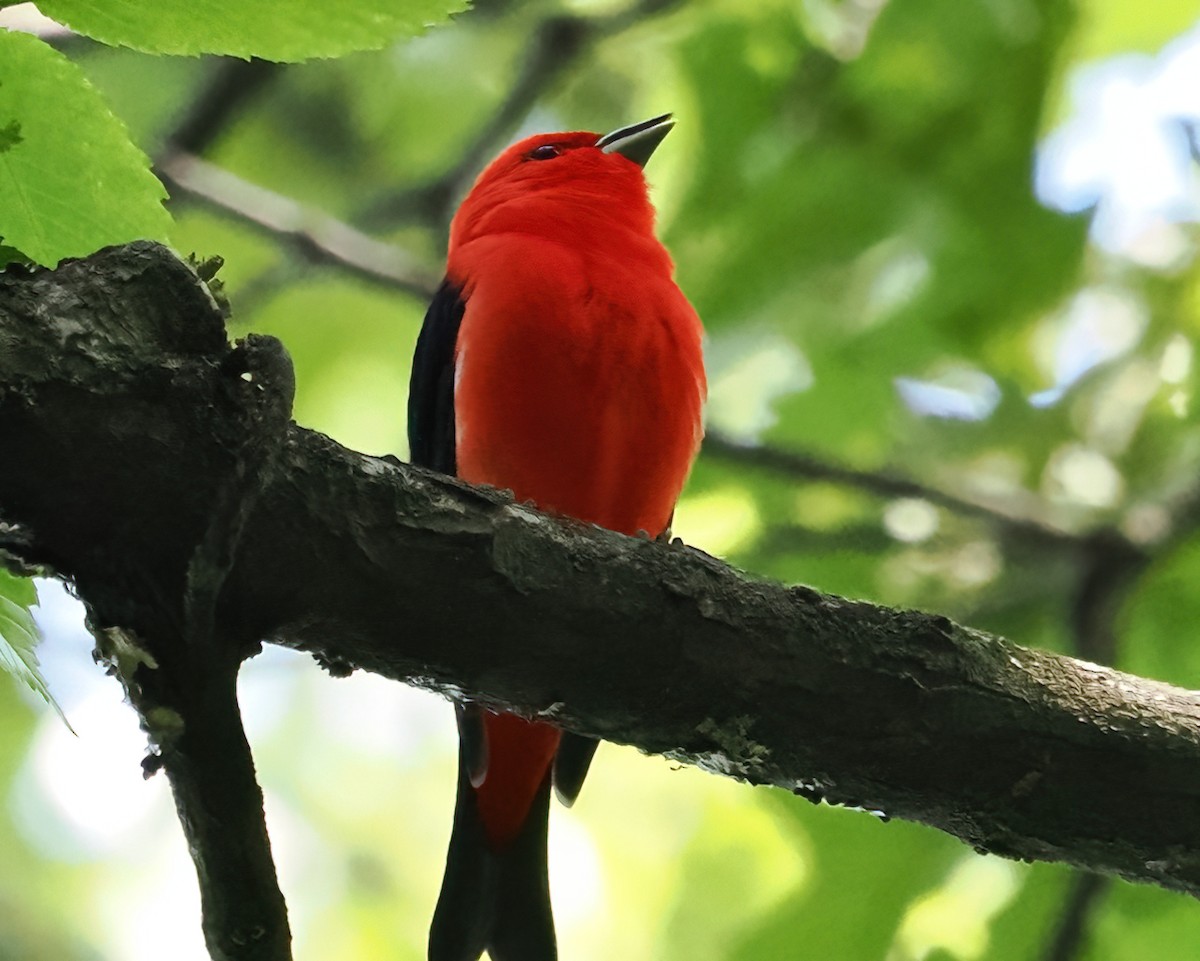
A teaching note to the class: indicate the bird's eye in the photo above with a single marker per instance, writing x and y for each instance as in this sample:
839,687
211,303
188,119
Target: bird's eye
546,151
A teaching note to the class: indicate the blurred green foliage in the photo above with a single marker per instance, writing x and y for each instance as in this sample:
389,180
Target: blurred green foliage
849,198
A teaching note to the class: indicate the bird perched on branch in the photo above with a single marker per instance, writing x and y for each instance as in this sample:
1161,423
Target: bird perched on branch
558,359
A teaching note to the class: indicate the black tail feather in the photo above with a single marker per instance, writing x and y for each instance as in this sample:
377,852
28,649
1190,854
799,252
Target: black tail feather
523,927
498,901
571,763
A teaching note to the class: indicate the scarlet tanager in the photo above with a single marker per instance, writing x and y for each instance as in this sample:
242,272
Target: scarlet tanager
558,359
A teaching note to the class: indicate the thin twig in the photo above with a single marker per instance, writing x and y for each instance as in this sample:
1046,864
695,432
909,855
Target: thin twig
1184,512
880,484
1084,897
1191,133
1111,569
230,87
557,44
314,234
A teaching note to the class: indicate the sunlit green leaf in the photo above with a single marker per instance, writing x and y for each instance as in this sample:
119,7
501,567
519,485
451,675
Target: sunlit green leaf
70,180
274,29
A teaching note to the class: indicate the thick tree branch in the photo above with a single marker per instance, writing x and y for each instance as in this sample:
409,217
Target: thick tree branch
188,706
1111,568
120,392
178,670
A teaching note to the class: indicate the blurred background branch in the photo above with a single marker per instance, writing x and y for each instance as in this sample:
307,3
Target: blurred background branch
231,89
557,45
310,234
801,466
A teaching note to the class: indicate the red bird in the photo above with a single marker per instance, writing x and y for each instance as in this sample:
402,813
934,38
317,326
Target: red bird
559,360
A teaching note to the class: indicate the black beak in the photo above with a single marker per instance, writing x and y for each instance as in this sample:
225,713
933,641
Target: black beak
637,141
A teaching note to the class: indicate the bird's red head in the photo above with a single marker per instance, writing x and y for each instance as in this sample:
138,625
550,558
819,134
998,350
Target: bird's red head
558,184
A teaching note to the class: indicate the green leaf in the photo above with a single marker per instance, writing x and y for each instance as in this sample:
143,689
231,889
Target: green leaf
71,181
19,635
285,30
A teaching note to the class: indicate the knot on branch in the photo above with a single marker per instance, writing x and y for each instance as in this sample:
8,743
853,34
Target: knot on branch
261,383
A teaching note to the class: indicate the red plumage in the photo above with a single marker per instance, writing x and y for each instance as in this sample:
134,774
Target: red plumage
579,377
577,383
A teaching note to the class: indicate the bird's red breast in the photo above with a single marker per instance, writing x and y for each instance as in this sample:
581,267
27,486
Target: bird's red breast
579,377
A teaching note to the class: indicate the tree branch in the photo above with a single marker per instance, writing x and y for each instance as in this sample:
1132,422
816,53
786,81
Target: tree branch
120,393
881,484
1111,568
188,706
231,85
320,238
1084,897
315,235
556,44
177,666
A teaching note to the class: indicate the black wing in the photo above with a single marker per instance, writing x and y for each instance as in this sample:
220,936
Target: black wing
431,388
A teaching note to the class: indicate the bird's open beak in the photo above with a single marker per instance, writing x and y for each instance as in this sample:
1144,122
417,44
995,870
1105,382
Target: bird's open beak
637,141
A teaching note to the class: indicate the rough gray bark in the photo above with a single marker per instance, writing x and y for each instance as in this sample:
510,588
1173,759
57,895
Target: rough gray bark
82,467
150,475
